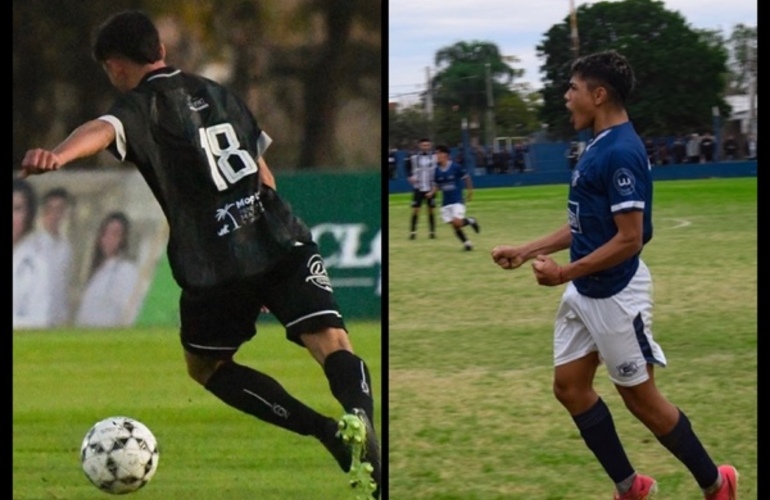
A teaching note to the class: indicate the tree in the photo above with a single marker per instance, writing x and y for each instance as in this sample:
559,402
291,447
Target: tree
680,72
461,80
742,45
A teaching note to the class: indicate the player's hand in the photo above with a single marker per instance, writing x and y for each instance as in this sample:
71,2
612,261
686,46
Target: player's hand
547,271
508,257
38,161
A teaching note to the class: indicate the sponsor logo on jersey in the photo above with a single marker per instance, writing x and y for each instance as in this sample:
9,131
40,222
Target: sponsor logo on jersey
236,215
196,103
318,275
573,216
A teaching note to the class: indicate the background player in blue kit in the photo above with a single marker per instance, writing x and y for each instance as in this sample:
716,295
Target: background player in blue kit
449,178
605,312
200,151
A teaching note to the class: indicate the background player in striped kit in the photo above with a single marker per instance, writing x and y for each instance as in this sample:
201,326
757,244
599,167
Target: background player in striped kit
421,167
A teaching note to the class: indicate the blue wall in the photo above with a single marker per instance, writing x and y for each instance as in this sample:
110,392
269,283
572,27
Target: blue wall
551,172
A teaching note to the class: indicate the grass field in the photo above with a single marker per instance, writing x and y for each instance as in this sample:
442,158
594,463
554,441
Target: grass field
471,412
64,381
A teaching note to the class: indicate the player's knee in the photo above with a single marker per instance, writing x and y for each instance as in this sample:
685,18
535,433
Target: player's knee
326,341
201,369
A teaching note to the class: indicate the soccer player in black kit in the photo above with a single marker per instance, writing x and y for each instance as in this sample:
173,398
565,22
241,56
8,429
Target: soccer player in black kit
234,246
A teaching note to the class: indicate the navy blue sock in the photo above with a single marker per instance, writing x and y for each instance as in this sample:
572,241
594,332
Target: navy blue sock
260,395
460,235
349,381
685,445
598,431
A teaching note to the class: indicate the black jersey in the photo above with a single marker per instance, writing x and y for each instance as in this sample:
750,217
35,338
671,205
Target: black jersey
196,144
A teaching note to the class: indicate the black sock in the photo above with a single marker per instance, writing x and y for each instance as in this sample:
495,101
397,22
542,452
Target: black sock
414,222
460,234
262,396
432,219
349,381
466,222
685,445
598,431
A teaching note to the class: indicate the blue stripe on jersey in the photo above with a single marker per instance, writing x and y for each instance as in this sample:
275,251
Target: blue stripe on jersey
450,180
611,177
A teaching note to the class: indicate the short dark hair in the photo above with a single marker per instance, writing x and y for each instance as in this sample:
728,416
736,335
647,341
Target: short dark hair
608,69
58,192
442,148
424,139
130,34
30,199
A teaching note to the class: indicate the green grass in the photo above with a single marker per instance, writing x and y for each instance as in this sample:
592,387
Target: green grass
64,381
471,412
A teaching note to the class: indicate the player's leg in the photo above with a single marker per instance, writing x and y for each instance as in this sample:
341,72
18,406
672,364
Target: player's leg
634,352
432,216
576,359
214,325
416,203
302,299
455,213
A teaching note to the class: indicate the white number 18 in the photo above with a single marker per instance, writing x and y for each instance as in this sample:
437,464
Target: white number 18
219,157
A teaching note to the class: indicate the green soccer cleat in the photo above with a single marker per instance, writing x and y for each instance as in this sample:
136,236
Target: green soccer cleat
357,433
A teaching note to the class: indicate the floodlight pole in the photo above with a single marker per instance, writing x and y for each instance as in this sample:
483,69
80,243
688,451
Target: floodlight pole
574,29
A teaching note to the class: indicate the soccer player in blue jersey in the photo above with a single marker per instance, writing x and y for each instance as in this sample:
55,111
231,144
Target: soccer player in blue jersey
201,152
449,178
606,309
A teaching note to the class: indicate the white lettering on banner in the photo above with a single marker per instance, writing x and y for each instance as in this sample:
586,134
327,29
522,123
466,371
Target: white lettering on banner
348,237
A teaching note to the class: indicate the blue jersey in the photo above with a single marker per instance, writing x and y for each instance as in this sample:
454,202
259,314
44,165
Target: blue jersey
450,179
612,176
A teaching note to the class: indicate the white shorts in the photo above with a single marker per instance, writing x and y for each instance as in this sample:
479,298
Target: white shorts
619,327
453,211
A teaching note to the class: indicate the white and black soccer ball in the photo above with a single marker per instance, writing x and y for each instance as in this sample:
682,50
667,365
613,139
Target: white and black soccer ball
119,455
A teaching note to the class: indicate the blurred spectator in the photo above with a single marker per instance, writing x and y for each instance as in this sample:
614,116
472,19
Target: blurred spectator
663,154
652,153
678,151
707,147
109,297
520,156
693,148
730,148
56,249
31,278
392,164
572,155
751,147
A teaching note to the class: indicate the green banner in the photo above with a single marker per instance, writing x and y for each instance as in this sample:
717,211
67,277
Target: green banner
343,210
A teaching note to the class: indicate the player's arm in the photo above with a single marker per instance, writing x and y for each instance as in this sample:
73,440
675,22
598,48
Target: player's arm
265,175
87,140
626,243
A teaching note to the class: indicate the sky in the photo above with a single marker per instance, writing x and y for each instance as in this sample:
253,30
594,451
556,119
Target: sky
419,28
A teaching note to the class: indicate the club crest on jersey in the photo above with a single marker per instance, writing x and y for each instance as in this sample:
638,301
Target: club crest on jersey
318,275
624,181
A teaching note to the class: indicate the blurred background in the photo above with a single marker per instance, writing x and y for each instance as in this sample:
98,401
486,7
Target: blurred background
309,69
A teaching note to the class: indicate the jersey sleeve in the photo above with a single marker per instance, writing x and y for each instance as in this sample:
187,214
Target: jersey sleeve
122,113
626,176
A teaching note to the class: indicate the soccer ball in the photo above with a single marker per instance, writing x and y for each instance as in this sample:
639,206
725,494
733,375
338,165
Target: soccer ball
119,455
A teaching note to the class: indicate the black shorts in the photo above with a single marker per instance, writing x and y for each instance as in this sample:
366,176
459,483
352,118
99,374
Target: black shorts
297,291
419,196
